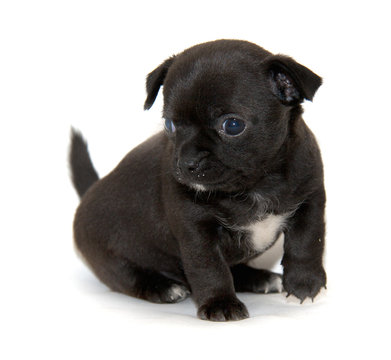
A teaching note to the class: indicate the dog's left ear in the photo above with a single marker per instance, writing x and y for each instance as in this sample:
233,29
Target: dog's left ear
155,79
290,81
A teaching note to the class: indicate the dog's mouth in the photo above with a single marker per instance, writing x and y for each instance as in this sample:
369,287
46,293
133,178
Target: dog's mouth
204,183
196,182
208,175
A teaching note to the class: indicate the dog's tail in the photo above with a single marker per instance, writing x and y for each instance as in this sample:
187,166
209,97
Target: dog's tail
83,174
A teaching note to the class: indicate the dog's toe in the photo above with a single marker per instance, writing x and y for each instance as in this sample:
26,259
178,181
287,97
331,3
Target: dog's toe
176,293
229,309
271,285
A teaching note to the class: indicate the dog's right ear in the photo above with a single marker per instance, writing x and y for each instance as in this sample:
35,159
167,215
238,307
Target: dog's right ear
155,79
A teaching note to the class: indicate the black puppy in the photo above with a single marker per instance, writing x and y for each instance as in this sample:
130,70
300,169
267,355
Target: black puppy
189,210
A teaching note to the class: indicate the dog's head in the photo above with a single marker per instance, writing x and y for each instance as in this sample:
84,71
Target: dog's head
227,111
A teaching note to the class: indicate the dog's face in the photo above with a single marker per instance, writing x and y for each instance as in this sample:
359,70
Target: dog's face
227,107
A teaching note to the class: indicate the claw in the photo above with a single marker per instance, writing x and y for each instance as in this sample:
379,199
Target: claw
288,294
301,301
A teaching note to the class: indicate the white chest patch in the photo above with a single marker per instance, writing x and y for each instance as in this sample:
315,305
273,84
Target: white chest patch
264,232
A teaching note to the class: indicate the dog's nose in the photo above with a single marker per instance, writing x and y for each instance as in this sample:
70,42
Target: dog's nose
192,165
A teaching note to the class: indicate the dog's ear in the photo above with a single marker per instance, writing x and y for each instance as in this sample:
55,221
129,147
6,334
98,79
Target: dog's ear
155,80
290,81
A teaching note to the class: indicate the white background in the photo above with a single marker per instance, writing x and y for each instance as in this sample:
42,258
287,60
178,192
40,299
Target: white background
83,63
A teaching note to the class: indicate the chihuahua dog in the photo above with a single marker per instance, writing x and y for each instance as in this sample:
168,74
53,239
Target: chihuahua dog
191,209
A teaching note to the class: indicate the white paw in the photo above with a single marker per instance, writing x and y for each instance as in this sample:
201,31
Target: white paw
274,285
177,293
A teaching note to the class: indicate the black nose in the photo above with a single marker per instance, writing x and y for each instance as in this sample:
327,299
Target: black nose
191,165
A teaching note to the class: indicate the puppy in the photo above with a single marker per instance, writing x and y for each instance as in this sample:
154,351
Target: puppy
189,210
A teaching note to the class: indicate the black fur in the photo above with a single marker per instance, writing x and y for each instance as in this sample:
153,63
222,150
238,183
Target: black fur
83,173
169,219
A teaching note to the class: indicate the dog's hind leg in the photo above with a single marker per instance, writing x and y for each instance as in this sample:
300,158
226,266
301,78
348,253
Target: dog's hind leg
247,279
120,275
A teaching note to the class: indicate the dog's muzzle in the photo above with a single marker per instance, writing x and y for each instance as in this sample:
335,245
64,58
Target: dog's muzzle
194,169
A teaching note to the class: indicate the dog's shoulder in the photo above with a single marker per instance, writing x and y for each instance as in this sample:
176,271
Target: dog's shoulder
303,166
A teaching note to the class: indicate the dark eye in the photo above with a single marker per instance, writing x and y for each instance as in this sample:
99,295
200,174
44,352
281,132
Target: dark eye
169,126
233,126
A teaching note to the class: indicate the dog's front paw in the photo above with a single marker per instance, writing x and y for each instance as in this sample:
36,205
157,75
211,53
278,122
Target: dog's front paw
223,309
304,281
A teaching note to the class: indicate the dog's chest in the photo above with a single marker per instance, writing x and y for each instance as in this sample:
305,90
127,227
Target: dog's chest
262,233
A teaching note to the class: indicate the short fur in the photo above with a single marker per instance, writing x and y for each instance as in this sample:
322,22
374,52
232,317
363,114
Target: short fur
170,219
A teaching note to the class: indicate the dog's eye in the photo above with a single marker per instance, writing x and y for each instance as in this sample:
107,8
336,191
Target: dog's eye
169,126
233,126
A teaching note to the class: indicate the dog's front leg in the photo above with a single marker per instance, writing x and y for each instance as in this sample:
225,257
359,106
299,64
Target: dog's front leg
209,275
304,275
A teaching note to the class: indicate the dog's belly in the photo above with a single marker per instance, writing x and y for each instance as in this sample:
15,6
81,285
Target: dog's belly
263,234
